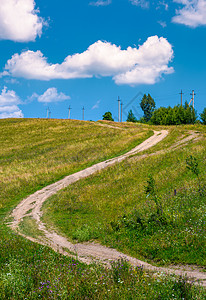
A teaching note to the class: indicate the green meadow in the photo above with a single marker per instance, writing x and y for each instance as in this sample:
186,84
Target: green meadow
113,208
35,153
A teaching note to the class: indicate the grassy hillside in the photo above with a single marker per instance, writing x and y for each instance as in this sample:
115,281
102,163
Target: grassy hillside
113,208
35,153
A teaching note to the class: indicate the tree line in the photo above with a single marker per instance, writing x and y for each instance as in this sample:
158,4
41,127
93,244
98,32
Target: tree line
179,114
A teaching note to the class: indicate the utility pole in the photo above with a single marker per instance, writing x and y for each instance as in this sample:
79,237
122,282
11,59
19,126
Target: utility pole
83,113
181,96
48,114
193,98
121,110
69,111
118,109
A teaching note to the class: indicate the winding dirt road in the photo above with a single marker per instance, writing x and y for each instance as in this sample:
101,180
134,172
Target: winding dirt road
88,252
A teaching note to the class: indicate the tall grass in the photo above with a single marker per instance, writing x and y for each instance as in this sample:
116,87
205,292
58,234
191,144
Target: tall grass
30,271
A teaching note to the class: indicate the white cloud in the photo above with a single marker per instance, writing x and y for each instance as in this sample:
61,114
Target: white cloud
32,65
141,3
9,109
16,114
164,4
51,95
193,13
143,75
145,64
162,23
9,97
146,4
100,3
11,81
96,105
8,104
19,20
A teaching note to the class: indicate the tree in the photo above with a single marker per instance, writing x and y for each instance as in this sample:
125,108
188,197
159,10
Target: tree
203,116
190,114
131,117
147,105
174,116
160,116
107,116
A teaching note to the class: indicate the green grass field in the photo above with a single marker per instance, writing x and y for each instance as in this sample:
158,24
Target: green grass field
35,153
112,206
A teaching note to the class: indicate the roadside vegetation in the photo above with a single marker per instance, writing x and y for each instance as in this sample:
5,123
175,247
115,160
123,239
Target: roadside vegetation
35,153
30,271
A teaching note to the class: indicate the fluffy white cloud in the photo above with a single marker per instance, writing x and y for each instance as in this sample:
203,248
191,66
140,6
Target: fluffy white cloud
31,65
145,64
15,114
51,95
141,3
9,109
19,20
8,97
100,3
193,13
8,104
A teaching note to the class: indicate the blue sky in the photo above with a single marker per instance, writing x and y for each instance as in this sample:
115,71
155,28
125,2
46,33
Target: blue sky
79,53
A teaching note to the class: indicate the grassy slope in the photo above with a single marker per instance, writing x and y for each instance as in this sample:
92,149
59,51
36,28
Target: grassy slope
112,201
37,152
33,154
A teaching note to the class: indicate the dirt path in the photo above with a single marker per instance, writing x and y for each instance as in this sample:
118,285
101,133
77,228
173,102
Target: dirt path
88,252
